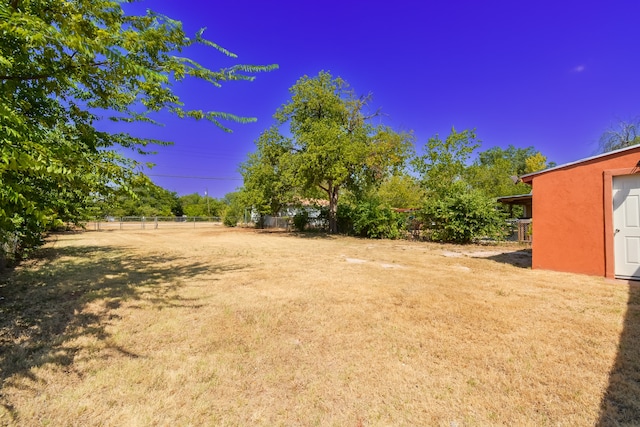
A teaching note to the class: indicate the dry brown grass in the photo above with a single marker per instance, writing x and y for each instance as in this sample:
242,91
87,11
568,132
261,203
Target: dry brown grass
237,327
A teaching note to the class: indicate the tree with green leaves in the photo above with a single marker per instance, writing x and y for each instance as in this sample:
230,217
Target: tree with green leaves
233,210
332,146
197,205
537,162
495,171
401,191
443,163
147,200
453,211
65,65
268,178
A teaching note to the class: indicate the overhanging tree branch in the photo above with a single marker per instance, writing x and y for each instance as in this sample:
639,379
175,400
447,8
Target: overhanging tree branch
60,60
51,75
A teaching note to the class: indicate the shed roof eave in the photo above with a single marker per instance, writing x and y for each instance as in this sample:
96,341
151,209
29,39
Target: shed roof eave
527,178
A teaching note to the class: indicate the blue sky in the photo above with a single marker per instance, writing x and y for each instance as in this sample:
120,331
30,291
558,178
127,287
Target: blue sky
549,74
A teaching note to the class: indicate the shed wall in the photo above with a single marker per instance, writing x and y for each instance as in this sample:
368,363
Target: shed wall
571,212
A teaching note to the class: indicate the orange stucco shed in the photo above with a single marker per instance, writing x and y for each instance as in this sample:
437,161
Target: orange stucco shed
586,215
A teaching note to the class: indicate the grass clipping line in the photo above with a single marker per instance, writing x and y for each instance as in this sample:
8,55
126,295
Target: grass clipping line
237,327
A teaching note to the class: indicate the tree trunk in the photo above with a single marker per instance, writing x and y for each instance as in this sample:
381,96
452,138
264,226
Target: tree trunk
333,209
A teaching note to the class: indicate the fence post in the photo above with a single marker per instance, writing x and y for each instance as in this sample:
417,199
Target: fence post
142,223
156,224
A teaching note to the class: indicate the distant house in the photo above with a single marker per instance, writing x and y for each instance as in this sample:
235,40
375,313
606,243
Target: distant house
313,208
586,215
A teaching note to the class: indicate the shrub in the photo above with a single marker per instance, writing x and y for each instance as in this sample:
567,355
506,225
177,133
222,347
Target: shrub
24,235
369,218
231,219
344,218
300,220
373,220
260,222
463,216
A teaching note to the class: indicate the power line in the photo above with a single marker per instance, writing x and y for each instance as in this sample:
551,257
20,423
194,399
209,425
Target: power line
197,177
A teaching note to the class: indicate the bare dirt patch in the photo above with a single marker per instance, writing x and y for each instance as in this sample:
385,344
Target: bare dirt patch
236,327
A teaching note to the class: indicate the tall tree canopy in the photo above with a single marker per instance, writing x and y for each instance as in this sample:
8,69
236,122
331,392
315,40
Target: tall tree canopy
401,191
268,177
443,164
64,64
495,171
453,209
332,146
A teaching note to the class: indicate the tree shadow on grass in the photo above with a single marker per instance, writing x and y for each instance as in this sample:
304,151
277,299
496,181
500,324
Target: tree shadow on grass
43,304
620,404
313,235
520,258
309,234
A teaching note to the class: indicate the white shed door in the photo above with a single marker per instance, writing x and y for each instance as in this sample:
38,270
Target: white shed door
626,224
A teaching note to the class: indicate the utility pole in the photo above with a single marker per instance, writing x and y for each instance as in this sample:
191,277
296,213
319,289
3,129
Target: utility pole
206,196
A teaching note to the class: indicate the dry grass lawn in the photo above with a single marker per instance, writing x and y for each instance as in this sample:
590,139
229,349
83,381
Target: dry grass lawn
240,327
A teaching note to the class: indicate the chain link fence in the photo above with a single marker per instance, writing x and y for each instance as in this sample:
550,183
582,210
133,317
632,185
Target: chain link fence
155,222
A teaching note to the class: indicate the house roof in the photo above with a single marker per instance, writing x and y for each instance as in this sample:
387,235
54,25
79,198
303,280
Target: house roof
528,177
311,202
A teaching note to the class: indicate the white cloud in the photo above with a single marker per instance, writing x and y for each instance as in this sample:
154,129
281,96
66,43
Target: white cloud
578,69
